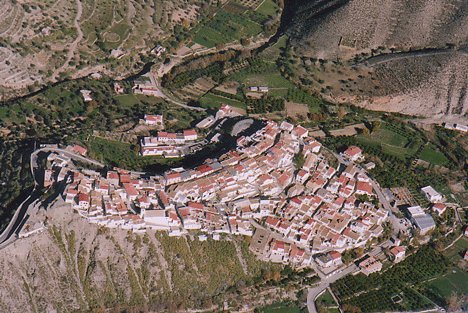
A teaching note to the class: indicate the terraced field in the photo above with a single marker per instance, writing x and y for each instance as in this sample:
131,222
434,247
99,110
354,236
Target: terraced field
47,40
236,21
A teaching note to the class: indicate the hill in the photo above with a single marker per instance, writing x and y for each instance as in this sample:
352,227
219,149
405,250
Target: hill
46,41
404,56
73,266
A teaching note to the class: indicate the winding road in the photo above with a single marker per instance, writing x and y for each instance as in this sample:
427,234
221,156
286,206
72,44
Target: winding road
324,284
10,233
74,45
384,58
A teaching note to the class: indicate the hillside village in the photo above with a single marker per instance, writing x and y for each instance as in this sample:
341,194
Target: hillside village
276,186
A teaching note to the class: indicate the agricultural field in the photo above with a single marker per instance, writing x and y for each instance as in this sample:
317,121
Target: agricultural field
440,289
120,154
281,307
430,154
233,22
211,100
393,290
392,140
326,303
455,252
46,41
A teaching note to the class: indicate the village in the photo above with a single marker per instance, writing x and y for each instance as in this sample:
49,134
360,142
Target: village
277,187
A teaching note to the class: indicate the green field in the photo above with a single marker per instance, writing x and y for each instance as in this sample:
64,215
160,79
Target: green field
267,8
281,307
233,22
211,100
272,80
454,253
391,142
432,155
124,155
326,300
455,281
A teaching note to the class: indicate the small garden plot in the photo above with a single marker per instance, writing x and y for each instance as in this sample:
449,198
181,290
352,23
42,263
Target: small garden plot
396,299
326,300
281,307
124,155
114,36
455,252
211,100
376,292
268,8
432,155
251,3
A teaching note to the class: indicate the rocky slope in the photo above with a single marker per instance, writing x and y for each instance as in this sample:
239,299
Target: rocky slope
351,33
75,266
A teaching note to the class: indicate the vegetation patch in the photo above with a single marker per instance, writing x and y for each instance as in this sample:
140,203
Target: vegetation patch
281,307
211,100
375,293
124,155
432,155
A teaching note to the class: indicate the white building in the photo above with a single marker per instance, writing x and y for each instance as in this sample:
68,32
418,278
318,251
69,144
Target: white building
431,195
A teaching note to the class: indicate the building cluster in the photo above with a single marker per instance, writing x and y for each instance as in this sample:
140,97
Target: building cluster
223,112
166,144
276,184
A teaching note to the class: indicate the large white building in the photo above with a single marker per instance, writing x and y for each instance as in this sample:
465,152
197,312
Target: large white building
431,195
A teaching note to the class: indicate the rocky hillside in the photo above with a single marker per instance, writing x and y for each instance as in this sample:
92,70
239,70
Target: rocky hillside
378,39
74,266
44,41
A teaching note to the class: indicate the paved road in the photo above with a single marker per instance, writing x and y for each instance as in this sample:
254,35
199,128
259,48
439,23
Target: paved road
313,293
69,154
384,58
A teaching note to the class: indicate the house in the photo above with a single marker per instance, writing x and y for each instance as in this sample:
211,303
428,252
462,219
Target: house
48,177
83,201
353,153
459,127
79,150
158,50
431,195
118,88
363,188
370,265
300,131
86,95
206,122
190,134
397,253
224,110
369,165
156,219
286,126
156,120
172,178
332,258
439,208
